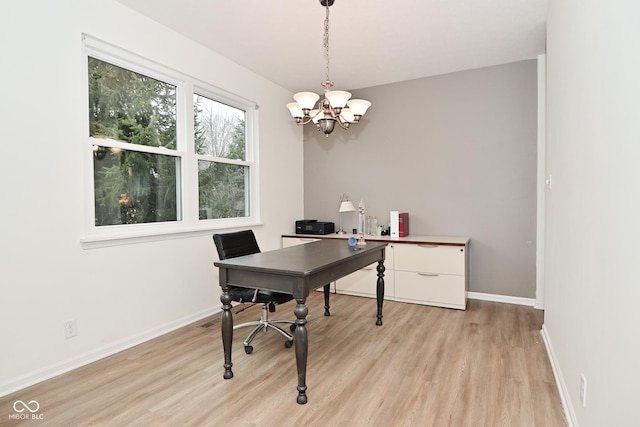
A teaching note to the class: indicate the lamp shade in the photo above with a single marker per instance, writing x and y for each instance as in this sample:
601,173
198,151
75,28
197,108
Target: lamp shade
295,110
358,106
316,115
347,115
346,206
337,98
306,100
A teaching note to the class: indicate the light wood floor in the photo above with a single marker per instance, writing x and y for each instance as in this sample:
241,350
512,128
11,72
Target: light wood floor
426,366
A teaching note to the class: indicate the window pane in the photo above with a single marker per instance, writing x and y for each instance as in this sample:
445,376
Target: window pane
222,190
219,129
131,107
133,187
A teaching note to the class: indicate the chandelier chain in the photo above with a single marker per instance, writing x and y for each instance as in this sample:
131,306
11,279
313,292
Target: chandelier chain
326,41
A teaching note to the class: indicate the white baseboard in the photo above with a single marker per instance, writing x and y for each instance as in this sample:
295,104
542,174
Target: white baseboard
91,356
569,413
502,298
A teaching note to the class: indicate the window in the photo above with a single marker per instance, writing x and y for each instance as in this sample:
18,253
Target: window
223,172
132,185
169,154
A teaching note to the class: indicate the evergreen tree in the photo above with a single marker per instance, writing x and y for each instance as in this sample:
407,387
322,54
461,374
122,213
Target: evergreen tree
132,187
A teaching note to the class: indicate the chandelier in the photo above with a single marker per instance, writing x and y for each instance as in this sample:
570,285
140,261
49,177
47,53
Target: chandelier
336,107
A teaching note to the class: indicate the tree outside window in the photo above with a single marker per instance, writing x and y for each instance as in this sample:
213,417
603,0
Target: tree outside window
131,185
223,174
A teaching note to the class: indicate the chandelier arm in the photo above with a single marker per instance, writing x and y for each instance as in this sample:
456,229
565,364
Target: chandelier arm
313,116
304,122
344,125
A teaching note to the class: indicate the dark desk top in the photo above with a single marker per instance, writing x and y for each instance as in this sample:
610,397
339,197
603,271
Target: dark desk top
300,260
299,269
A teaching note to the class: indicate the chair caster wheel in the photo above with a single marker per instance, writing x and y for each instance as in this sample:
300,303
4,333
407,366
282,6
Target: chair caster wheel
248,349
288,344
292,328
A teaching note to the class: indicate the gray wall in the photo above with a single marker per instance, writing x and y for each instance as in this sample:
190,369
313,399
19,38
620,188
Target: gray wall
456,151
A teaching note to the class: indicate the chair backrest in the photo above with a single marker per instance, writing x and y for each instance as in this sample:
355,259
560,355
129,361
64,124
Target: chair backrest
231,245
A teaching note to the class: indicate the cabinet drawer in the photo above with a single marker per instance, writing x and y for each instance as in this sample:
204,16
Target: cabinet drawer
363,282
430,258
438,289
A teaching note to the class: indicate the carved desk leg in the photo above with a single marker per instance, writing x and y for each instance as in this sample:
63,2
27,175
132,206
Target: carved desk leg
227,325
327,292
380,291
302,346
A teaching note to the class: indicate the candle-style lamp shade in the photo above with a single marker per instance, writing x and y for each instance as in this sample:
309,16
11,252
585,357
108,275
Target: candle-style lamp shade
345,206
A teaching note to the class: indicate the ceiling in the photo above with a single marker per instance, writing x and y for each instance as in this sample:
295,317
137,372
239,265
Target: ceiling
372,42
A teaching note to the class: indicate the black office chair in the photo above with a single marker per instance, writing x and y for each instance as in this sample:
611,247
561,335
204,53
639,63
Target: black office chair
231,245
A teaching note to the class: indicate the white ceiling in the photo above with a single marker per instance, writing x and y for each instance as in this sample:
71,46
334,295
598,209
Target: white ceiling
372,42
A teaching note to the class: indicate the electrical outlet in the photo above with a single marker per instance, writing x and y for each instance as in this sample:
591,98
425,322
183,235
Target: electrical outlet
70,329
583,390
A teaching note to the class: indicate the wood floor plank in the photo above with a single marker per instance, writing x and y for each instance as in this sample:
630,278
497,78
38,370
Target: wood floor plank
426,366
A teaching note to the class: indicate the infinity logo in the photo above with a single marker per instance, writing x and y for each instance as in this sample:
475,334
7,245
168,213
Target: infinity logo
20,404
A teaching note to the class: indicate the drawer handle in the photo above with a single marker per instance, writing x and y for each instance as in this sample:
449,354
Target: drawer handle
307,240
428,274
428,246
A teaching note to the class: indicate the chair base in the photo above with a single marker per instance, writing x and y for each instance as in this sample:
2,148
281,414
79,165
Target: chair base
264,324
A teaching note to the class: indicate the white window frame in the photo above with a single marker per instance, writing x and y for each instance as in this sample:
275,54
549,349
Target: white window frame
188,223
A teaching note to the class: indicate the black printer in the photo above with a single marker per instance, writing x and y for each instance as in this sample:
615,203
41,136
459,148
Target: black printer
313,226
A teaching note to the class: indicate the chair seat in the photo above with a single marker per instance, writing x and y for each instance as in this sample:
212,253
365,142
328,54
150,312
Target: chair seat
246,295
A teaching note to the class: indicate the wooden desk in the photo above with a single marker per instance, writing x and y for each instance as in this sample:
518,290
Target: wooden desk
297,271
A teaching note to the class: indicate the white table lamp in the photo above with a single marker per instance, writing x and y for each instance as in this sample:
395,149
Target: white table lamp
345,206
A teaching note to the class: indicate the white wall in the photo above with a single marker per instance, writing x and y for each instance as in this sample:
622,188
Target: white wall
119,295
592,285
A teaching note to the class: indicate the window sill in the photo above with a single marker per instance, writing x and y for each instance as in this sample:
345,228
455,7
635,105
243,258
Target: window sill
126,237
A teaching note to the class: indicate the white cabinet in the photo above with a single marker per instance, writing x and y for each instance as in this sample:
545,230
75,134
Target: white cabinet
431,274
429,270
